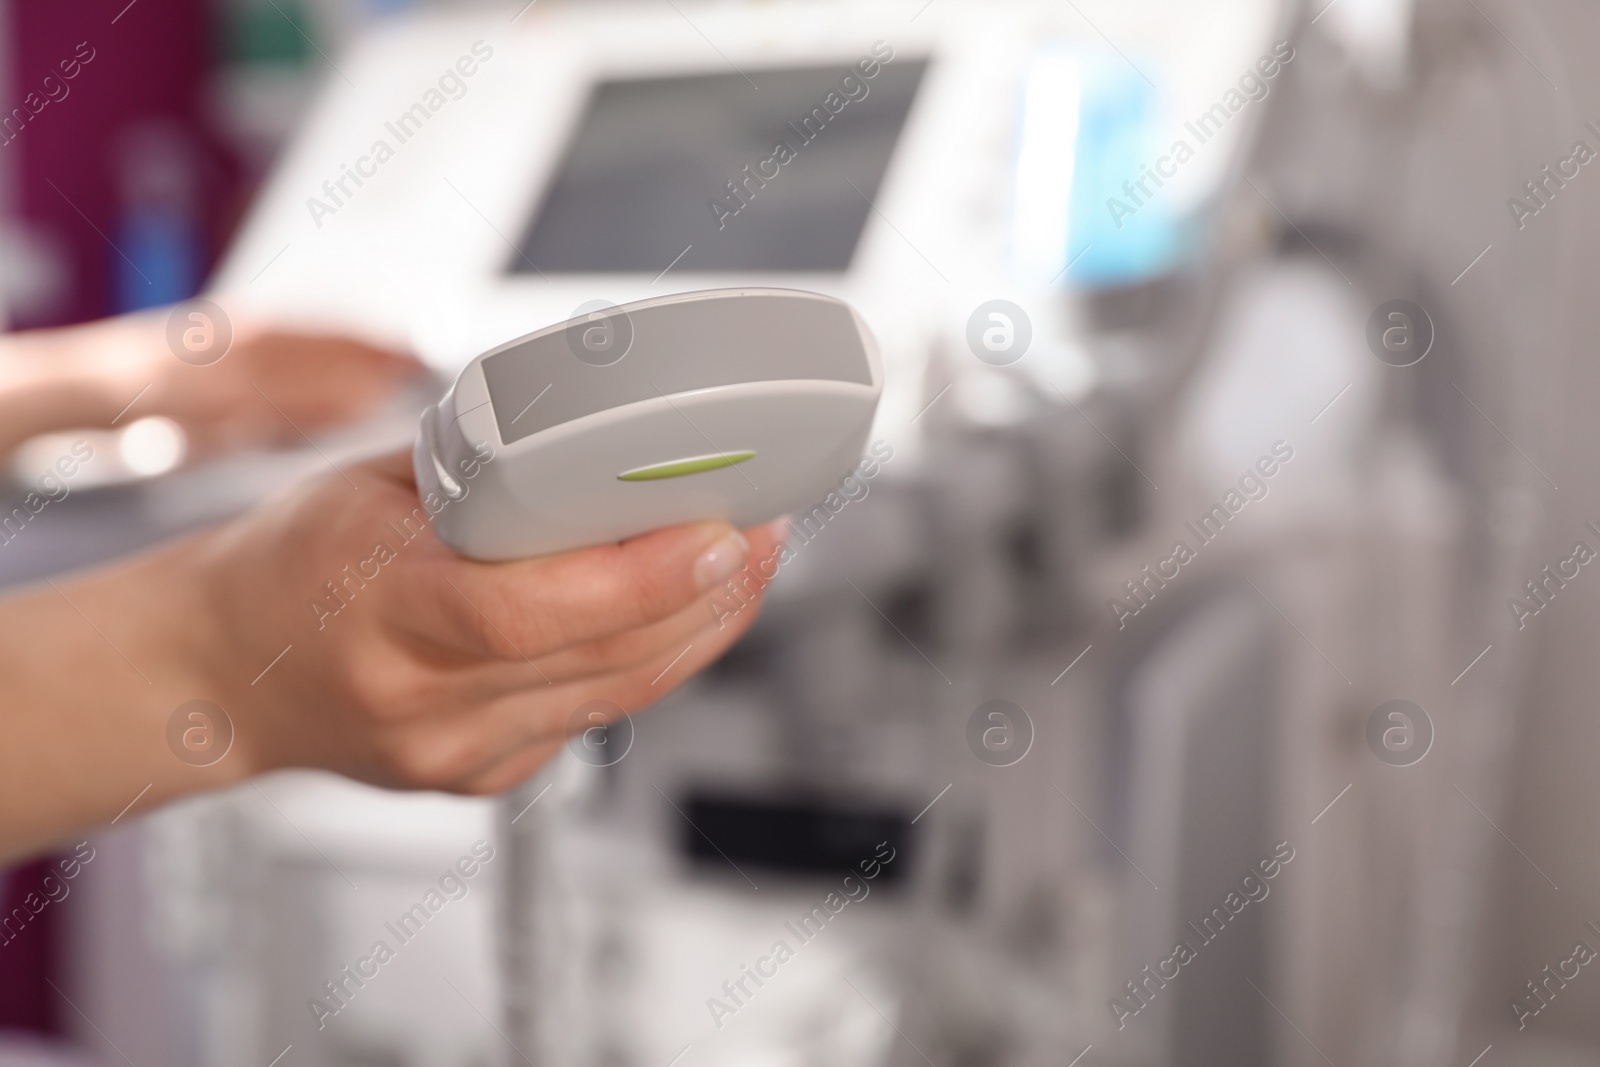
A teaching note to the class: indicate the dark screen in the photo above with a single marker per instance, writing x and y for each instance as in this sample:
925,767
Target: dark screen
649,156
794,834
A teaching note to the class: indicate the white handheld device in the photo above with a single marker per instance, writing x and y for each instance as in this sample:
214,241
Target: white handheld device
735,404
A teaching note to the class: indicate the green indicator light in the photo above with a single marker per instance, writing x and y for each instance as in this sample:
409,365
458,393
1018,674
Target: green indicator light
679,467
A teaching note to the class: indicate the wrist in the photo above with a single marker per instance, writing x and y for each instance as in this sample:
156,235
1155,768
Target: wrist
62,379
105,365
97,687
186,649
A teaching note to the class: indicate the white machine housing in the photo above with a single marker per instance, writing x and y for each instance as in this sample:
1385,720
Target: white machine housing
736,404
426,251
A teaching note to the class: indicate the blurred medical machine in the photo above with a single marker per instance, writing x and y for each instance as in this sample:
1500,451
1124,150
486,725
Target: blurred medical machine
1079,651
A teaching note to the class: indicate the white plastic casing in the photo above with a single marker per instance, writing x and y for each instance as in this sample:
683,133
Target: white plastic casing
705,374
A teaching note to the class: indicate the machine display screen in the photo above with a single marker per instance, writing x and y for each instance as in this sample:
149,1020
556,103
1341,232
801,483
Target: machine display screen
645,182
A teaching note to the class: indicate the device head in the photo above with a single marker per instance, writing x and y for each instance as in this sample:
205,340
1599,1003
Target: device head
735,404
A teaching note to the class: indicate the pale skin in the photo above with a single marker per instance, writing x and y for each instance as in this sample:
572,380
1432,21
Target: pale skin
270,382
440,673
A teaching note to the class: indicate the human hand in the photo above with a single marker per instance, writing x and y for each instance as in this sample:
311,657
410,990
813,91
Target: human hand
270,385
430,670
274,385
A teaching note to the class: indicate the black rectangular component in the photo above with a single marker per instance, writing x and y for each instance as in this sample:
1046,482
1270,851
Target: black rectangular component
795,835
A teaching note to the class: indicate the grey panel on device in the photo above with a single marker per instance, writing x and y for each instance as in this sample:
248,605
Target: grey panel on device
677,347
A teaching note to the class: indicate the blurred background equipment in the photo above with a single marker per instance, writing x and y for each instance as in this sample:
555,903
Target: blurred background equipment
1089,668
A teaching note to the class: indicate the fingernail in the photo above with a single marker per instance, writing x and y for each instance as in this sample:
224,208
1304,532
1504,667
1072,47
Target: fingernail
721,561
